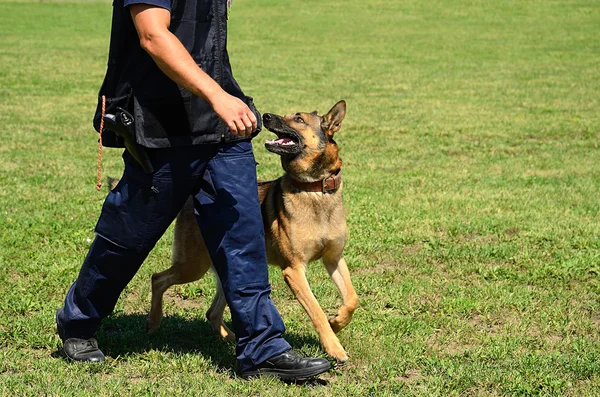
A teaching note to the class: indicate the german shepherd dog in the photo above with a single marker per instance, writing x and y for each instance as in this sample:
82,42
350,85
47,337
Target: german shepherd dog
304,221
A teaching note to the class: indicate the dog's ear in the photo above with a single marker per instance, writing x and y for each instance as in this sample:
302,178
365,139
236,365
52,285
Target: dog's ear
315,112
332,121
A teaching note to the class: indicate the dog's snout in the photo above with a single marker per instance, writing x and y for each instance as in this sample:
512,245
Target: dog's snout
267,117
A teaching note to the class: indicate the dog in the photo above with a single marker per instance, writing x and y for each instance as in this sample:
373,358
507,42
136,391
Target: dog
304,220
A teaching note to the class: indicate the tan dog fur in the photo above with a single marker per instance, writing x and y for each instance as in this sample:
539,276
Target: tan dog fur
300,227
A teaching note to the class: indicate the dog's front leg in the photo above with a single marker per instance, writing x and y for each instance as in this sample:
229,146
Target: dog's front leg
338,270
295,277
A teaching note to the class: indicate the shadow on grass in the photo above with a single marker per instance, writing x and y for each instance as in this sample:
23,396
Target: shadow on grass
125,334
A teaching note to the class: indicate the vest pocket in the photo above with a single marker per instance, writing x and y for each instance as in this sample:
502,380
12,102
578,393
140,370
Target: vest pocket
109,138
111,105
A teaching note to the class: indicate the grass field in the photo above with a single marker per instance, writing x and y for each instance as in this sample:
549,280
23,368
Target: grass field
472,189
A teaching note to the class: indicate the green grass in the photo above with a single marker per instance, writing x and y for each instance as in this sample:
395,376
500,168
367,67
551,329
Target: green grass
472,191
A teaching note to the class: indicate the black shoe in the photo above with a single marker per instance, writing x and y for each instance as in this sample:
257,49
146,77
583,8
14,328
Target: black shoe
83,350
288,366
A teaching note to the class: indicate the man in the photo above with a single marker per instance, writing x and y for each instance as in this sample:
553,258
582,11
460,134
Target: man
168,66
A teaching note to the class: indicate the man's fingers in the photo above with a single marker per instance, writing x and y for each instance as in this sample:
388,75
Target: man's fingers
252,118
236,114
250,127
232,127
240,128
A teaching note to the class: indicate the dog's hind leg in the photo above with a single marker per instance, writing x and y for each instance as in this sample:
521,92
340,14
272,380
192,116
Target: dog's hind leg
190,262
164,280
214,315
338,270
295,277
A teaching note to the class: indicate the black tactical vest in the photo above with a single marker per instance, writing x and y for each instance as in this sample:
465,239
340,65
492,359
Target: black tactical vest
166,114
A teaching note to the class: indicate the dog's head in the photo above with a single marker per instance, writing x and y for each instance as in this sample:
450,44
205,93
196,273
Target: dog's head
305,142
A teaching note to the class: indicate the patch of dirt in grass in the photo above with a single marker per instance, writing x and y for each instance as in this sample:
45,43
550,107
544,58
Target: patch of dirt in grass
478,239
511,232
423,303
436,343
476,321
554,339
583,387
13,276
379,268
410,375
595,319
492,325
478,392
184,303
413,248
136,379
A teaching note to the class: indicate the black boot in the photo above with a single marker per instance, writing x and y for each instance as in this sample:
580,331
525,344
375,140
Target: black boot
78,349
84,350
288,366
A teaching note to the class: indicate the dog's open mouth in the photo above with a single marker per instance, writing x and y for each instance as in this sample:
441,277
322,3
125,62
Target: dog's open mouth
284,144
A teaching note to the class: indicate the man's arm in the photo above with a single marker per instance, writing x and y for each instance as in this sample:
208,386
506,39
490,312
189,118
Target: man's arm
152,24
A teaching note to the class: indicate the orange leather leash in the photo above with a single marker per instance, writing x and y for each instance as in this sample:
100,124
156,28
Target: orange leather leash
99,180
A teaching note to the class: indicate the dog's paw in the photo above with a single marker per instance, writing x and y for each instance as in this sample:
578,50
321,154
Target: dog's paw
335,325
227,335
341,359
338,323
151,325
336,351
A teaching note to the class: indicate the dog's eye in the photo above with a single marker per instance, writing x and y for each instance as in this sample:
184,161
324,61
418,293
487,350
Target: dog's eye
299,119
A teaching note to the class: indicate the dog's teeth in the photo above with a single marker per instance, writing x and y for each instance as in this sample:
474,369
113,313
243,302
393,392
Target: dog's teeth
280,141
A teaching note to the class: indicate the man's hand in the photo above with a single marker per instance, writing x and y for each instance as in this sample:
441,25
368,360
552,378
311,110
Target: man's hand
238,117
152,24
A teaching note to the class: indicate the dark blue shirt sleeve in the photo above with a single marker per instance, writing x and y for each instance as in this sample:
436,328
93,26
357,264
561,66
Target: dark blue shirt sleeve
166,4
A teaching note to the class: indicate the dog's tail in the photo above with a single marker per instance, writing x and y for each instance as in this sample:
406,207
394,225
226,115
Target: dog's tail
111,183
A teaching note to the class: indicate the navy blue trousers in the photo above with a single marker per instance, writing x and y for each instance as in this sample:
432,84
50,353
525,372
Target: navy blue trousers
222,180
